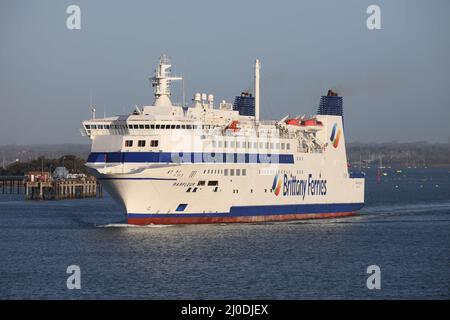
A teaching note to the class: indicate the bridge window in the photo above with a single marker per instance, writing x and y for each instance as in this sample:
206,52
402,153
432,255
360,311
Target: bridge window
141,143
128,143
154,143
147,126
152,126
141,126
213,183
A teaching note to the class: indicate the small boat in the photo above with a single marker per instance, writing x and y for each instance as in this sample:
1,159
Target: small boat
233,125
312,123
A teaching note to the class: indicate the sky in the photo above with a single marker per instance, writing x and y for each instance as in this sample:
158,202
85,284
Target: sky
395,81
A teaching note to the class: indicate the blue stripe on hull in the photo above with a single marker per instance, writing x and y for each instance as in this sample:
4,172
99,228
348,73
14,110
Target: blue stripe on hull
241,211
188,157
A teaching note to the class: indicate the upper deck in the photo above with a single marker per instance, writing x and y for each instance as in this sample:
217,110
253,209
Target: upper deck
163,121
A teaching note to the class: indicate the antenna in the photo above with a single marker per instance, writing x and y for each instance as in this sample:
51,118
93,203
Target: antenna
91,106
256,91
183,91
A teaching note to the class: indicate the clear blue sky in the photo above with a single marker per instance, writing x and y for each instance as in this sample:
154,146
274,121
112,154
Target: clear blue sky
395,81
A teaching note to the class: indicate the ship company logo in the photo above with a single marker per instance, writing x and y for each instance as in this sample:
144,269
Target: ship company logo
291,186
276,185
335,136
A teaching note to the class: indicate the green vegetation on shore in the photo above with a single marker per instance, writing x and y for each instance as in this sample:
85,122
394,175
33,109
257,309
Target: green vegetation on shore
72,163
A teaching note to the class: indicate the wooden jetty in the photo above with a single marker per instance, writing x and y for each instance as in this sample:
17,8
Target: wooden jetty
12,184
41,186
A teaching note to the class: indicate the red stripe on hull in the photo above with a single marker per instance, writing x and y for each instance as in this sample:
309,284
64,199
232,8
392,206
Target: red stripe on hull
241,219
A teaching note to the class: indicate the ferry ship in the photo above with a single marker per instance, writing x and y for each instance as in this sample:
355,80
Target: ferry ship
202,163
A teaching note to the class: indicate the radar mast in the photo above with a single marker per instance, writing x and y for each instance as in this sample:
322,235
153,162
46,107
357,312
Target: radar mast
161,82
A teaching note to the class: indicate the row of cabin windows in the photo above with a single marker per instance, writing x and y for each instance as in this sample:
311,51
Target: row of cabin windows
272,171
243,172
210,183
169,126
101,126
220,144
155,126
249,144
226,172
235,172
215,171
148,126
141,143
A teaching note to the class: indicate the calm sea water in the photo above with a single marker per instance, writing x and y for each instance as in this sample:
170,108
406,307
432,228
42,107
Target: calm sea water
404,229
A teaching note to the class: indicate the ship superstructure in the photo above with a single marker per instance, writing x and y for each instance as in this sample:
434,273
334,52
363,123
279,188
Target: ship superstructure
169,164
